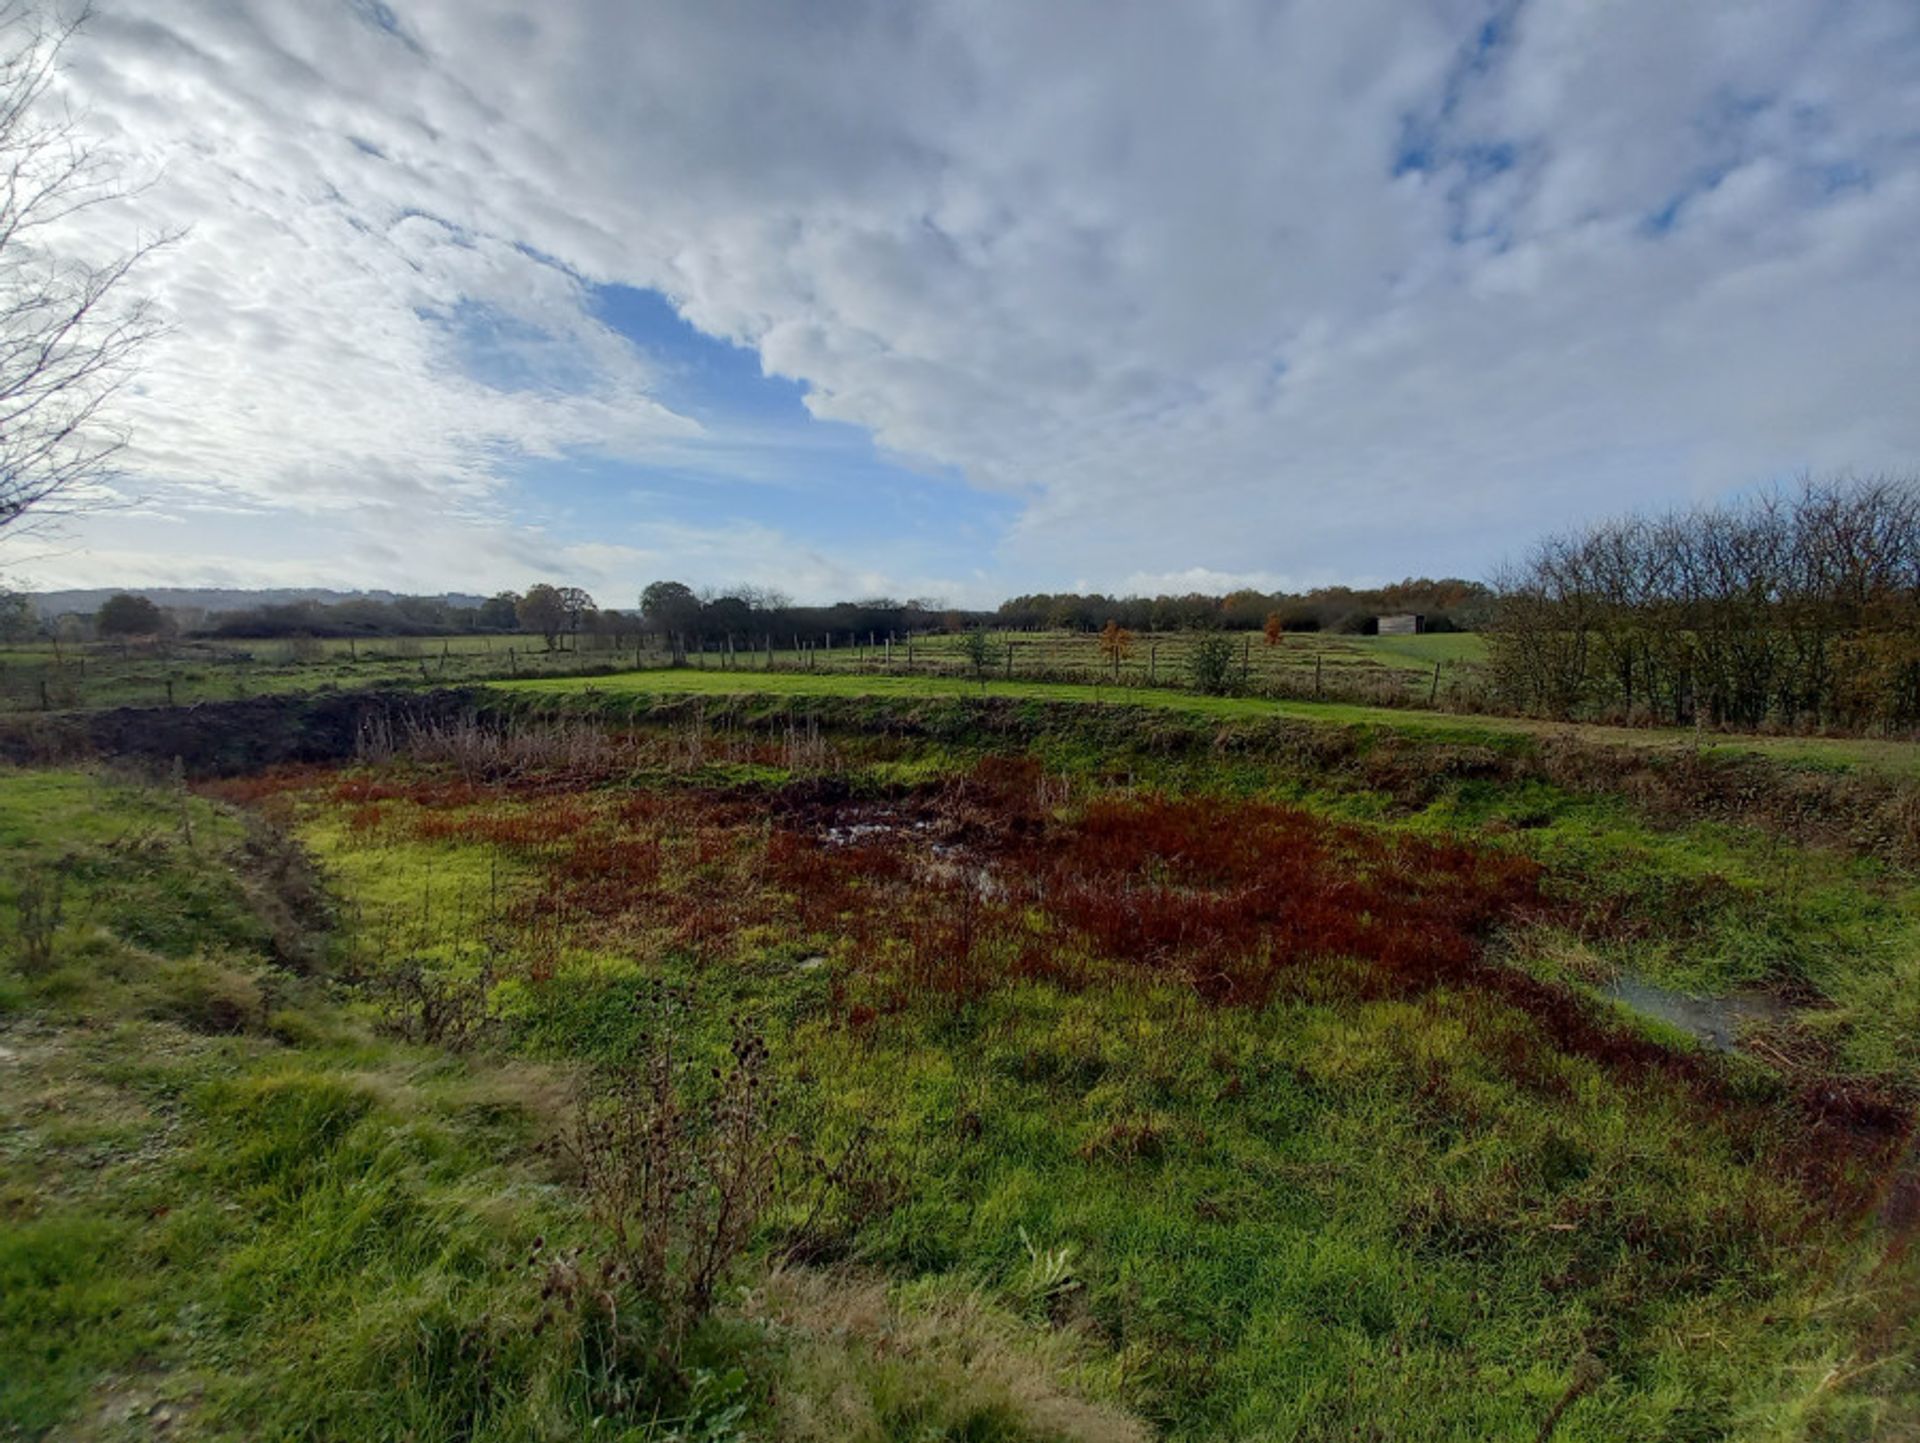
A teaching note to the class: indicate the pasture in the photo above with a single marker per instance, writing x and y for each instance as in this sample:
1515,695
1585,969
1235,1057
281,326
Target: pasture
1306,664
1065,1087
45,677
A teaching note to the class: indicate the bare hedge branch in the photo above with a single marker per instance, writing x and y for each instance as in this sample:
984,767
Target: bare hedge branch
1794,609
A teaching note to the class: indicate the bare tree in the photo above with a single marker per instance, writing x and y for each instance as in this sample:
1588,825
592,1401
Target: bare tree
1790,608
68,333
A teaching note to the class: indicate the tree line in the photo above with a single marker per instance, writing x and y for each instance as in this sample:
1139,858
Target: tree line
1449,604
560,615
1794,608
749,616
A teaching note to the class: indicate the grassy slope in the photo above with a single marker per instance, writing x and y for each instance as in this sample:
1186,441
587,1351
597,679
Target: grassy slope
230,1209
1901,758
222,1206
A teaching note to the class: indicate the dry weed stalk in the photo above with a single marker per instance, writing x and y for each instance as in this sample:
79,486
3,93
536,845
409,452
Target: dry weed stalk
676,1176
42,908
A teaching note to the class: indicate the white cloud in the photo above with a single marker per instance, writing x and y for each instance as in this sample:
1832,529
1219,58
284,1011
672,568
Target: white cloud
1147,268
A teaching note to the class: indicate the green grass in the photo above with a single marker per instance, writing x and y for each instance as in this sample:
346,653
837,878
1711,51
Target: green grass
1395,663
1899,758
232,1200
268,1219
1336,1215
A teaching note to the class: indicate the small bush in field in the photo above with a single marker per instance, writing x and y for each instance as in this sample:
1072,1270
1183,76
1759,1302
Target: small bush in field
677,1174
431,1006
977,648
1210,663
42,908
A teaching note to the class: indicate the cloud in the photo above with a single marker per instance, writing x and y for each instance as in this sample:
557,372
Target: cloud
1241,289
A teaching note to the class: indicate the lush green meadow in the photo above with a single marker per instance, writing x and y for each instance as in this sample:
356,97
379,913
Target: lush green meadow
81,676
1072,1091
1901,758
1299,663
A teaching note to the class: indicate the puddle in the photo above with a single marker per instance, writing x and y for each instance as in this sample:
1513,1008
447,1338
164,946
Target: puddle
855,834
1715,1021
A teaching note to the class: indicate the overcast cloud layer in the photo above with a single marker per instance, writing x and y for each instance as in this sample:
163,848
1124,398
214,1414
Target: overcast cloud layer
1168,294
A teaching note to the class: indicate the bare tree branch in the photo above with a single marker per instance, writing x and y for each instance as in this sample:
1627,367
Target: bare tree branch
69,335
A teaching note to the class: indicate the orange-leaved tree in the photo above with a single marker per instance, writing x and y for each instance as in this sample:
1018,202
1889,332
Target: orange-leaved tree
1115,641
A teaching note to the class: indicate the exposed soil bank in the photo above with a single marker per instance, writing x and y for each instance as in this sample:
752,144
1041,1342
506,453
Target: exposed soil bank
228,738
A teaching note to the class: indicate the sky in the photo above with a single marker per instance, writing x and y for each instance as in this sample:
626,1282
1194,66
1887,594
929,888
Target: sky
962,298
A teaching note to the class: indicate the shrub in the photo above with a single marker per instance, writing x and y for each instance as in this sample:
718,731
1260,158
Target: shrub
977,647
41,908
431,1006
1210,663
676,1176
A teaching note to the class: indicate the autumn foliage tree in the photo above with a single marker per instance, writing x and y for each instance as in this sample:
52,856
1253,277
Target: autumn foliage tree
1115,642
1272,629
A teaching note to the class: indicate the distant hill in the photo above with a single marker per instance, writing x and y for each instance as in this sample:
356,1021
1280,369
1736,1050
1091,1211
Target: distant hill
214,600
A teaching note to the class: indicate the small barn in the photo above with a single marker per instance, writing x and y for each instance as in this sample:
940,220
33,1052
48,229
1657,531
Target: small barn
1409,623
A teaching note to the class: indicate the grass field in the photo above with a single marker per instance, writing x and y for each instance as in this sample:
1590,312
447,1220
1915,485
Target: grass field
102,675
1344,663
1077,1094
1892,757
43,677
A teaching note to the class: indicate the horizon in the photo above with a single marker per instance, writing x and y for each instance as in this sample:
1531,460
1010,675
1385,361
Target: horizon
975,302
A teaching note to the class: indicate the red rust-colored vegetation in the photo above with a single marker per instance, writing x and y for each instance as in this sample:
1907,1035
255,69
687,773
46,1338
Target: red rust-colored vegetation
952,889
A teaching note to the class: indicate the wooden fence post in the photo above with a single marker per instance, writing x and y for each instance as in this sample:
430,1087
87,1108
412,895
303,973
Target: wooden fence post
1433,691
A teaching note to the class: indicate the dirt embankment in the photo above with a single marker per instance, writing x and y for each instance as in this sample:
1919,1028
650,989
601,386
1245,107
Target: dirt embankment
228,738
